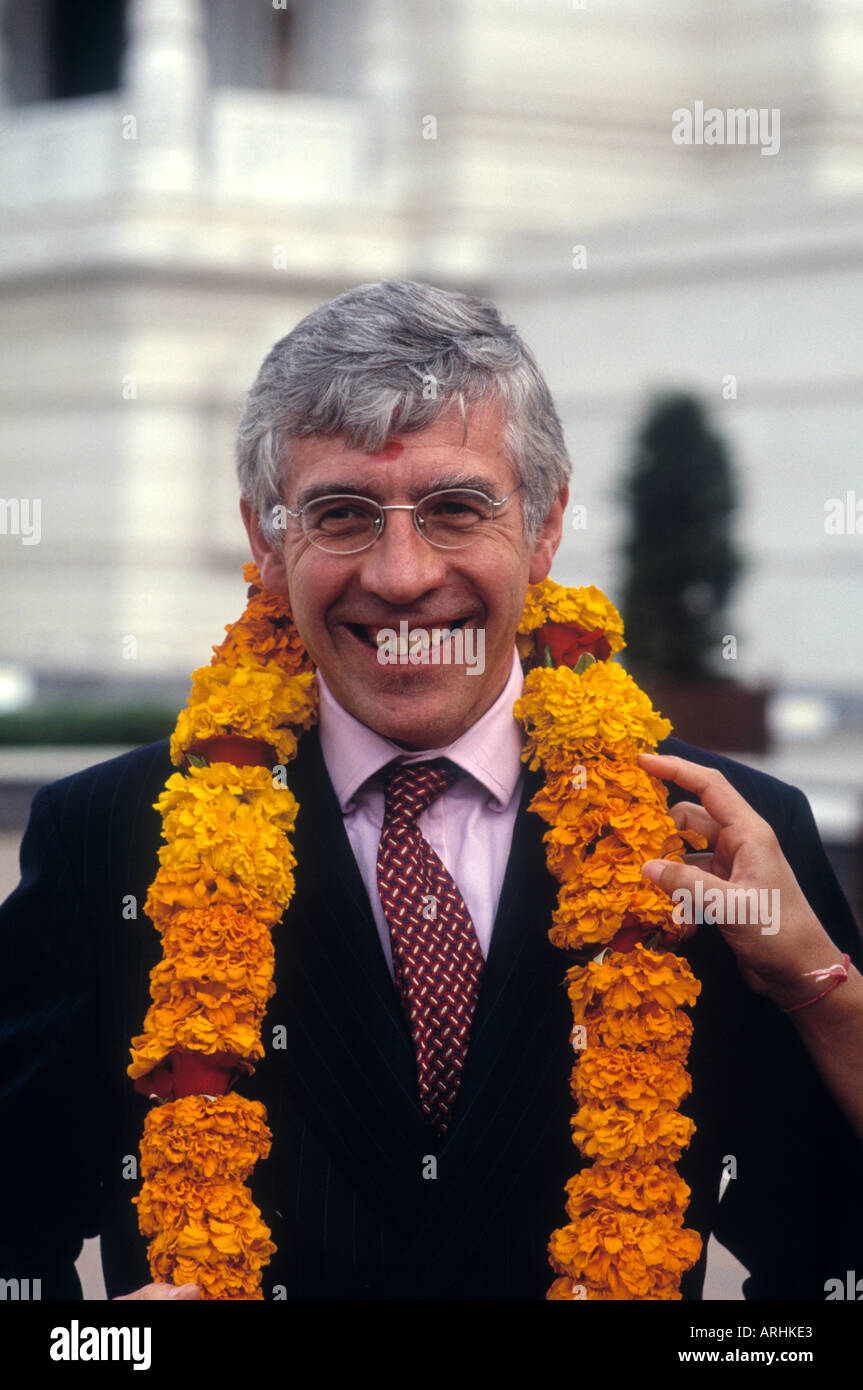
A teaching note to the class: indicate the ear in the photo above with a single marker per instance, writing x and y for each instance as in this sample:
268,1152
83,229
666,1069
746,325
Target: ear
270,564
546,544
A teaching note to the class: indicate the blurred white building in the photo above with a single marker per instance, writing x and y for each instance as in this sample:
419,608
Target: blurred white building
183,179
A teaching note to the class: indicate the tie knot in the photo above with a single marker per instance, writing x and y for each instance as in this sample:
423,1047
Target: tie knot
410,788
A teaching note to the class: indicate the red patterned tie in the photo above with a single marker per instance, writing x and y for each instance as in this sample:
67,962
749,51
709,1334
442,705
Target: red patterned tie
437,958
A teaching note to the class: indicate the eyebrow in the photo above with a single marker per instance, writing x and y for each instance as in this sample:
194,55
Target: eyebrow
414,491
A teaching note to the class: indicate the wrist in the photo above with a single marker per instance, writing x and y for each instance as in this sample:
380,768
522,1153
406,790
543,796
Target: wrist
810,986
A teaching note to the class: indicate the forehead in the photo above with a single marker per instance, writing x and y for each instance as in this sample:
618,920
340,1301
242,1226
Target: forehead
441,454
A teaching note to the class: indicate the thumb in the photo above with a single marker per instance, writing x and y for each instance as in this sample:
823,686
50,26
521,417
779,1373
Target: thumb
158,1293
679,882
669,875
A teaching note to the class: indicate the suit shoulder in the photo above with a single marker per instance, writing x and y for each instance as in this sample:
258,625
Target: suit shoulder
116,788
772,798
92,837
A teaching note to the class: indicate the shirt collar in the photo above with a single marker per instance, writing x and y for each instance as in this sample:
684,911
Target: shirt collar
489,751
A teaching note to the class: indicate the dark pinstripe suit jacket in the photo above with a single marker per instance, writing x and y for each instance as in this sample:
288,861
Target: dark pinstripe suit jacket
346,1189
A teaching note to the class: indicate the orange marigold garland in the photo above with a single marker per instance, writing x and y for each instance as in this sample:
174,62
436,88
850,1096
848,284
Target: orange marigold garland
225,878
586,722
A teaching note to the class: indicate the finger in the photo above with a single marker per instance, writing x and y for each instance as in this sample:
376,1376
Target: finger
688,815
160,1293
697,861
715,793
702,897
669,875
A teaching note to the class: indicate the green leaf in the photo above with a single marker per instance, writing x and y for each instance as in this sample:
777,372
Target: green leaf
583,662
195,761
546,656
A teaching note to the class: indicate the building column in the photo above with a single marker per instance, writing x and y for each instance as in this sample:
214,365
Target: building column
388,62
165,95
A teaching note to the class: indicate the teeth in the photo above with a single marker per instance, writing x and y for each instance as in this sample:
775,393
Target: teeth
430,637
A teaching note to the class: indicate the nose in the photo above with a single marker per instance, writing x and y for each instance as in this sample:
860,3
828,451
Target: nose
402,565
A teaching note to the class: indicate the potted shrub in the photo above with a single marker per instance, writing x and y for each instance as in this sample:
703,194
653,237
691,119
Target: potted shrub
680,567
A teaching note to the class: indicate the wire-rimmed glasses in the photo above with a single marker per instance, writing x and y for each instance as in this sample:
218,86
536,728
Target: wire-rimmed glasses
450,519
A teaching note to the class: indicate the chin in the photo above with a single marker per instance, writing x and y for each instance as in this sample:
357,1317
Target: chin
420,719
416,728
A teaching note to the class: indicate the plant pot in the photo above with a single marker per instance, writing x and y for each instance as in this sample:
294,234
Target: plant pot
721,716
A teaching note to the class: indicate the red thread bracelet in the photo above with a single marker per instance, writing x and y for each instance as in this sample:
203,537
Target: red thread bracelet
839,971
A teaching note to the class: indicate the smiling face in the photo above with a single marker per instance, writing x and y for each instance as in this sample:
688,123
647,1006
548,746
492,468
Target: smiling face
339,602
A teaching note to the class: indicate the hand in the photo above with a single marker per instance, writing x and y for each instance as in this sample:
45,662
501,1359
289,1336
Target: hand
160,1291
772,931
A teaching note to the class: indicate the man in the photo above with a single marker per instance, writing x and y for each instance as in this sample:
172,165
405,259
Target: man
384,422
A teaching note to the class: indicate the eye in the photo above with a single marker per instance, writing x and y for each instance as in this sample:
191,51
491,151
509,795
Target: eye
452,506
456,508
337,515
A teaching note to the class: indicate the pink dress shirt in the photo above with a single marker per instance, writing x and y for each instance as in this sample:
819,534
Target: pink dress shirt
470,827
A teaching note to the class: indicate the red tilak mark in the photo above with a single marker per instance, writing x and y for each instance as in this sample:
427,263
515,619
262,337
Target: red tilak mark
392,450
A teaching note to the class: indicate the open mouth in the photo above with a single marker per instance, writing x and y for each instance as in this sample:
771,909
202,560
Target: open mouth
434,634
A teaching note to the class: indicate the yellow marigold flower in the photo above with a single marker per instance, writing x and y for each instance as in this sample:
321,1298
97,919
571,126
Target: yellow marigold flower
213,977
565,714
591,916
166,1030
219,930
575,813
221,1138
626,979
610,862
217,943
612,858
211,1002
214,999
173,890
613,1134
225,1261
200,1020
631,826
587,607
171,1201
654,1188
617,796
225,786
250,702
265,632
230,821
640,1080
668,1032
633,1256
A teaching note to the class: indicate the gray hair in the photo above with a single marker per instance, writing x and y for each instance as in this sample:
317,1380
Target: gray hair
388,359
